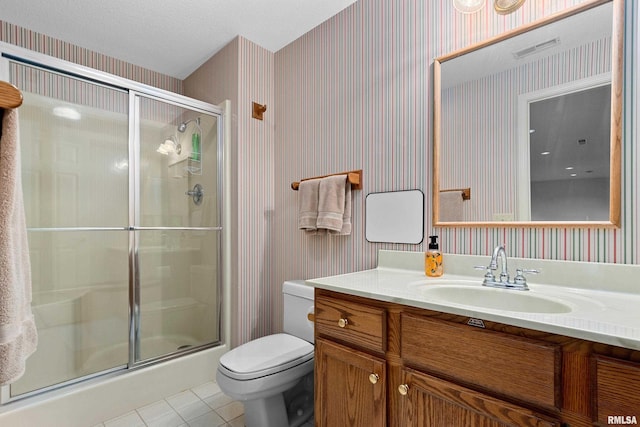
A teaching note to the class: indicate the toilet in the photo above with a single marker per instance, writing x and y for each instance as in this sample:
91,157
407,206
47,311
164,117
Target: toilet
273,375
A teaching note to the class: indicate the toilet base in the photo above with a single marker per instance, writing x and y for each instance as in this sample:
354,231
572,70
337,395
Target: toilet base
299,402
267,412
291,408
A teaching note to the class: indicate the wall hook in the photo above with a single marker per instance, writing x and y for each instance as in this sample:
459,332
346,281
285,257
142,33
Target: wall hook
258,110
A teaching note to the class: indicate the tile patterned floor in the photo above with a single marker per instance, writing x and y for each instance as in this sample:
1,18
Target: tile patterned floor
200,406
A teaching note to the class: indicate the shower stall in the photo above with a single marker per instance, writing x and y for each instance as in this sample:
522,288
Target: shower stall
122,192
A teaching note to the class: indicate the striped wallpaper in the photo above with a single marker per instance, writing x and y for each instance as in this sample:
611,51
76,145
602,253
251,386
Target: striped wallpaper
16,35
256,293
243,72
80,92
68,89
355,92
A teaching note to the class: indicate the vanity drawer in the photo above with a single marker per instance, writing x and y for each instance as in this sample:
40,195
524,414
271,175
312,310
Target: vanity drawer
352,322
617,389
509,366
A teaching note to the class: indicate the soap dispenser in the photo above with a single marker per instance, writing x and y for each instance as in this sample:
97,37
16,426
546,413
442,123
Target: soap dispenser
433,259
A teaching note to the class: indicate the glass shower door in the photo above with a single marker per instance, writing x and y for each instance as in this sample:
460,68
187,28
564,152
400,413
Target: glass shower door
177,229
74,140
122,201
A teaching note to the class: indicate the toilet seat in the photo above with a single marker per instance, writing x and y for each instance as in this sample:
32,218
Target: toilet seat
265,356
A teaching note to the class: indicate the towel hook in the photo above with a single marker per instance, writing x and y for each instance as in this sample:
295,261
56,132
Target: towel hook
258,110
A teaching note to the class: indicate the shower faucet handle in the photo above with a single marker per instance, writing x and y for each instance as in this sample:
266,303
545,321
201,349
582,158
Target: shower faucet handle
197,193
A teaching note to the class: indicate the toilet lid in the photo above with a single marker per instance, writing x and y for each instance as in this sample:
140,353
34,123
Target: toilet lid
266,355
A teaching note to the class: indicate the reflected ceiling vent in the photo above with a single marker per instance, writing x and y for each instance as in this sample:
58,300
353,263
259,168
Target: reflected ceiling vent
536,48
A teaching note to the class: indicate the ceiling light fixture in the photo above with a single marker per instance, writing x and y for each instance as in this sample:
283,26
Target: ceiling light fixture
505,7
67,113
468,6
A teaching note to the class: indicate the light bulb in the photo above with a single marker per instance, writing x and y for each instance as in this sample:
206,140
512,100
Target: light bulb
468,6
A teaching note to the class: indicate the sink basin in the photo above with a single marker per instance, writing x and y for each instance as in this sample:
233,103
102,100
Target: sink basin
497,299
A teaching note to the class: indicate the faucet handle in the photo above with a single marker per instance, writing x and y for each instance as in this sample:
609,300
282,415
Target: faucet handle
520,271
520,279
488,276
485,267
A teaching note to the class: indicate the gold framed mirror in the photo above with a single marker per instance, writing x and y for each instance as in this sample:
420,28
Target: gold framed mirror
528,124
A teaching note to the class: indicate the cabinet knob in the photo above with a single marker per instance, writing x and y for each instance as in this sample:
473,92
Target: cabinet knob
374,378
343,323
403,389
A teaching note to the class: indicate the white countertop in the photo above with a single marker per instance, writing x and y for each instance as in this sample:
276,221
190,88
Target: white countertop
609,315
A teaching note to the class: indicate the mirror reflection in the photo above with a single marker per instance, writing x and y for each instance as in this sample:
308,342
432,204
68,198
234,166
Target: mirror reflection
569,156
527,125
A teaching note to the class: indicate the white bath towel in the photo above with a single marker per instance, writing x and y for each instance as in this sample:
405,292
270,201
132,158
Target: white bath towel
450,206
308,198
18,335
331,204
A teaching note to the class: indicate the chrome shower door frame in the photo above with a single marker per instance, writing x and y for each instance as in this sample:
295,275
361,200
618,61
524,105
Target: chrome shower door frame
135,357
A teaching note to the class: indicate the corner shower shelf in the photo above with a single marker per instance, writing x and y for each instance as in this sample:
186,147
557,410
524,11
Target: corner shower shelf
189,165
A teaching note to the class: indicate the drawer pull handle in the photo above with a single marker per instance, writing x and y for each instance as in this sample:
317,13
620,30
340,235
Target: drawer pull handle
374,378
343,323
403,389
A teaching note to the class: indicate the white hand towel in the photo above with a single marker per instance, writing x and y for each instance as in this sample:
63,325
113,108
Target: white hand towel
308,197
18,335
450,206
331,202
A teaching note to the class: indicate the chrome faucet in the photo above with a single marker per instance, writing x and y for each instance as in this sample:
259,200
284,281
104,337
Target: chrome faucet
519,281
493,265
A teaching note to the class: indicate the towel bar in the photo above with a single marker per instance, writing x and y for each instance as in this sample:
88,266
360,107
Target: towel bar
354,177
10,96
466,192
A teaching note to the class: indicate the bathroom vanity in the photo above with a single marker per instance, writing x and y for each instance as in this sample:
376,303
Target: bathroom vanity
388,354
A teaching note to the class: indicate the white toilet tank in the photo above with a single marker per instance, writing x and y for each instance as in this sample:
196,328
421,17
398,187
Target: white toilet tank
298,303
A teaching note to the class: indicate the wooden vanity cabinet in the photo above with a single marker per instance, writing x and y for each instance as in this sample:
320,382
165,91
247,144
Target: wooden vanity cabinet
361,370
386,364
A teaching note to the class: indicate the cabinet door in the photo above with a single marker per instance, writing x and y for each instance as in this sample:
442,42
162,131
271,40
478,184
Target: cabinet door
350,387
617,391
432,402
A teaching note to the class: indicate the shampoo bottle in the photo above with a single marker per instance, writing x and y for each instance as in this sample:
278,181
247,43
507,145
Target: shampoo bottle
433,259
195,146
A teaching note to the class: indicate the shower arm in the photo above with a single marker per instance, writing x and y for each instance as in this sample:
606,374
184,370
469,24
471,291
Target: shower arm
182,127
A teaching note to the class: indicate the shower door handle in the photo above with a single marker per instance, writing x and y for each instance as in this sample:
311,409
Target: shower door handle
197,194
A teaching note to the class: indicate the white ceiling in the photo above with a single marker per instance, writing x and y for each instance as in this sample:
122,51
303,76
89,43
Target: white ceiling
173,37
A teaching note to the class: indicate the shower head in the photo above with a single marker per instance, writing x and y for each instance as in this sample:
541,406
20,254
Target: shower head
183,126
